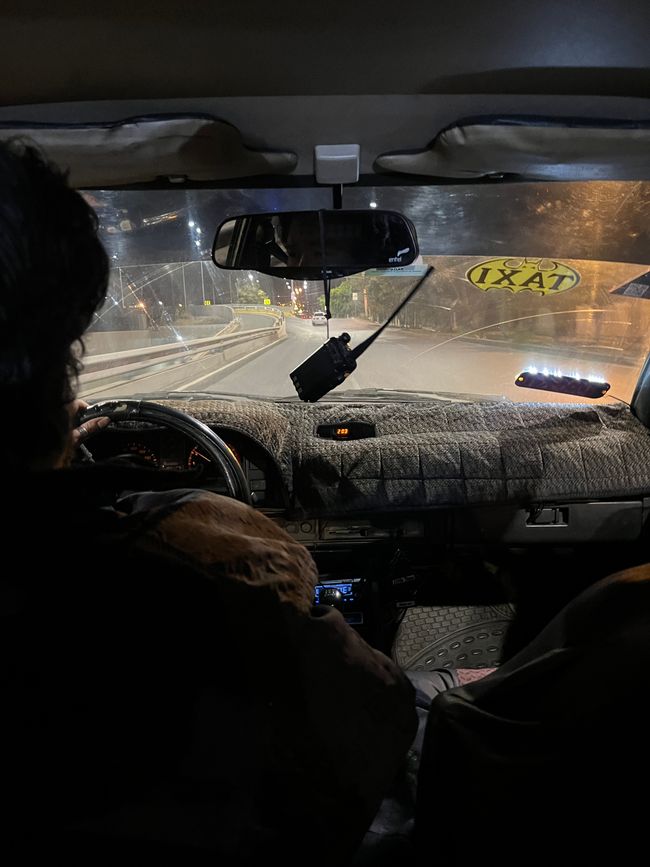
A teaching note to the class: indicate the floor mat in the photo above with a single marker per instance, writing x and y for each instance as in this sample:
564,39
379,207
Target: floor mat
459,636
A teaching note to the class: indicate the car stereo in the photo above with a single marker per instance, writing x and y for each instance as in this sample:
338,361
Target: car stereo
347,595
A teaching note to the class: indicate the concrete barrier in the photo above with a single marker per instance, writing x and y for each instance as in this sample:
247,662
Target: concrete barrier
175,362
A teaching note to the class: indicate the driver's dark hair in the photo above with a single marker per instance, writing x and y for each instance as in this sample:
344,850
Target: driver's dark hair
53,278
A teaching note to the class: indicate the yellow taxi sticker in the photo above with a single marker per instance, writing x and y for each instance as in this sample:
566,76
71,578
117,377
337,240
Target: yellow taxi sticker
546,276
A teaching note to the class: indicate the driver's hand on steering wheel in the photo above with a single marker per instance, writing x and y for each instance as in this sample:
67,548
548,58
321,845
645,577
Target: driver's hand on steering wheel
83,431
79,433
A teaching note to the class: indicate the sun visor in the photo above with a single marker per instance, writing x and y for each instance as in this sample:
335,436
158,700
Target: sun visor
534,148
143,149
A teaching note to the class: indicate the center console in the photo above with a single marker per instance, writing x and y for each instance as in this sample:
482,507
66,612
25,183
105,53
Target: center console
349,595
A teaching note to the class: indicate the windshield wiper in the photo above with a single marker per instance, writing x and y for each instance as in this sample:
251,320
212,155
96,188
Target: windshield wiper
403,394
195,395
369,394
204,395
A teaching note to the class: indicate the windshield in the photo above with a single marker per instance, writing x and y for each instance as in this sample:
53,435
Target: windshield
526,276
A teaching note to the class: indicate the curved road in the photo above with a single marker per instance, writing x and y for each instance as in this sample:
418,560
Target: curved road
400,359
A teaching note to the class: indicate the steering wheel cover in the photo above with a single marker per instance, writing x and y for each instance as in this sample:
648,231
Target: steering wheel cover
210,442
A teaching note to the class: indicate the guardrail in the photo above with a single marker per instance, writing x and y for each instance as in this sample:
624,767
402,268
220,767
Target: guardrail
222,349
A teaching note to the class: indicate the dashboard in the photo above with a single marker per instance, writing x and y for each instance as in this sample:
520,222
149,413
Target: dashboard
430,503
503,472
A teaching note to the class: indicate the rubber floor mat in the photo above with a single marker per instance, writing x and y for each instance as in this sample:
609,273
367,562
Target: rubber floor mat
460,636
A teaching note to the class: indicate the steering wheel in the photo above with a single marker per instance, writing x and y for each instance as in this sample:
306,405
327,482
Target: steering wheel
210,442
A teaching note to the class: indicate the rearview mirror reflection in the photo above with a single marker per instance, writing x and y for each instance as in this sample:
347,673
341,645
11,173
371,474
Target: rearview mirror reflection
315,245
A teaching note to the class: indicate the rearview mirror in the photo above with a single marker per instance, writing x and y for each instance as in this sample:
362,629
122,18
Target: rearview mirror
315,245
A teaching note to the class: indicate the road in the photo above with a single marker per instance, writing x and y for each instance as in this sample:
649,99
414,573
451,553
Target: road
400,359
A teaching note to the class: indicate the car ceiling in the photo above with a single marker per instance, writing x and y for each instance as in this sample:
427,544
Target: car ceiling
386,76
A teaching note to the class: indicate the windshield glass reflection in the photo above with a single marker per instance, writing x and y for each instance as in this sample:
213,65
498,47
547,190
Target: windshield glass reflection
526,276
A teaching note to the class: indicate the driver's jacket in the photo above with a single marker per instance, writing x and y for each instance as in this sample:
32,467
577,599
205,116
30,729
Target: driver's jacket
169,691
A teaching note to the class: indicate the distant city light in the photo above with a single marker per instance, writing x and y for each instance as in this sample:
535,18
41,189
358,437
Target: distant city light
191,224
373,204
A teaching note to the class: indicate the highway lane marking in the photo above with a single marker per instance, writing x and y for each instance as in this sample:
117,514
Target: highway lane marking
237,361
